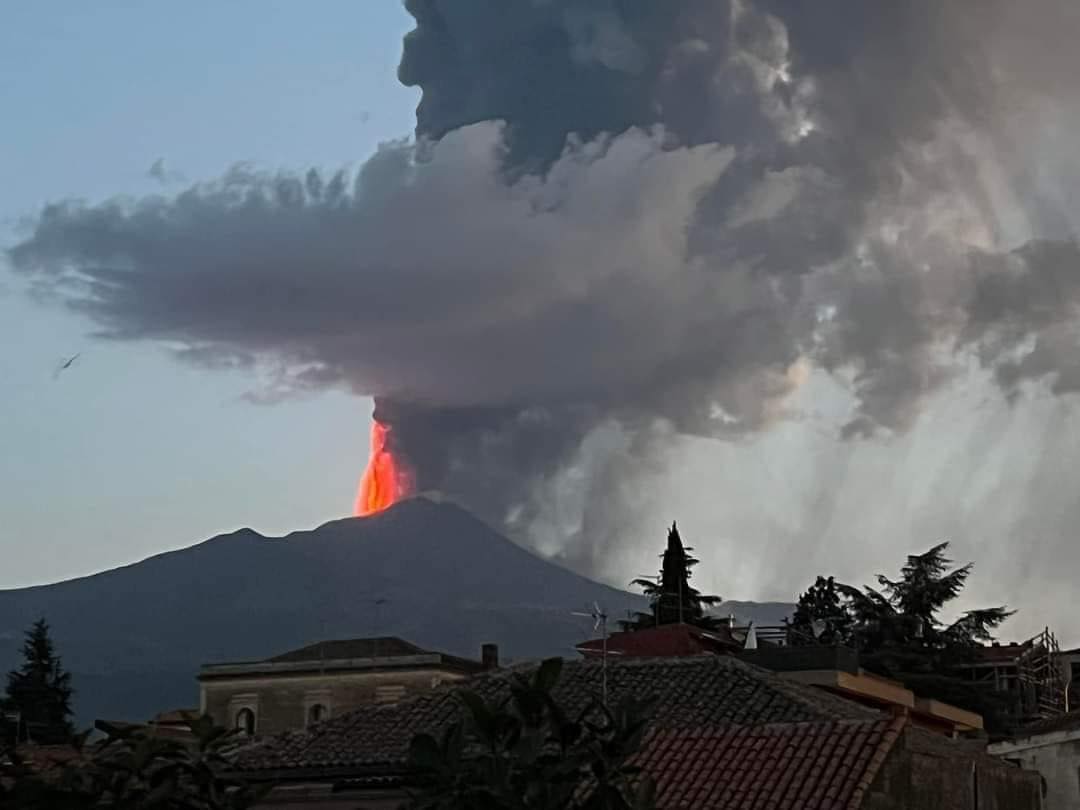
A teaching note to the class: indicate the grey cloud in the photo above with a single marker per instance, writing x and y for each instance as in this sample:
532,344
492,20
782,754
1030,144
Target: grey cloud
632,220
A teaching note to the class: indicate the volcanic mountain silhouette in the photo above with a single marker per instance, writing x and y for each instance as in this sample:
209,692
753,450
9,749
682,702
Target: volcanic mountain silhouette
428,572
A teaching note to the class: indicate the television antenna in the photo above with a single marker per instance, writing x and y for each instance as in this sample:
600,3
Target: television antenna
600,618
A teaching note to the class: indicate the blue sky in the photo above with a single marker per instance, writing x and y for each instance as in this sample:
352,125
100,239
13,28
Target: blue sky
128,453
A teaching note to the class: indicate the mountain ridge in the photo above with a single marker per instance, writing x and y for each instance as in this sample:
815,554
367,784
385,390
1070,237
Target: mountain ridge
134,636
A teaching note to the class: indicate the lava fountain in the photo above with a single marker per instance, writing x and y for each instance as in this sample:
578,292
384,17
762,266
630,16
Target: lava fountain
386,479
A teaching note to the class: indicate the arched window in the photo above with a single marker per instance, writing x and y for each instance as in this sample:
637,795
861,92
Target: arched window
316,713
245,722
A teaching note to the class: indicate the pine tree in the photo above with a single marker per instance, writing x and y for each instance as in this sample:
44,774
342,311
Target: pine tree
39,692
821,616
671,597
899,632
899,626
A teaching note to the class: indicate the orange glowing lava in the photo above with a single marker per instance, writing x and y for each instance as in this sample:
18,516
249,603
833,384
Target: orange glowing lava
385,480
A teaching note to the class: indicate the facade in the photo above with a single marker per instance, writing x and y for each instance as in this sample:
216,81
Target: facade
1069,665
1051,749
837,670
303,687
1030,674
724,734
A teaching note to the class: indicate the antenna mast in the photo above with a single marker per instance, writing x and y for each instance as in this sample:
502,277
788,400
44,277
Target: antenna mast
599,617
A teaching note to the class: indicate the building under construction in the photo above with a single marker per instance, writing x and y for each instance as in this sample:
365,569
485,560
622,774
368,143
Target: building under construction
1034,676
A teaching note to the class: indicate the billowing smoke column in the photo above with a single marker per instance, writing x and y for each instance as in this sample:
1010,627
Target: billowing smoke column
622,221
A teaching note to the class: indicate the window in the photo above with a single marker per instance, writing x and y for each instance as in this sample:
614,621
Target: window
316,713
245,722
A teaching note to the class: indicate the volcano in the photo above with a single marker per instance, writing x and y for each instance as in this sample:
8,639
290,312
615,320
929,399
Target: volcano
426,571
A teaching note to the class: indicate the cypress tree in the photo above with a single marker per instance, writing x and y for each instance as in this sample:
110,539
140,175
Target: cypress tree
671,597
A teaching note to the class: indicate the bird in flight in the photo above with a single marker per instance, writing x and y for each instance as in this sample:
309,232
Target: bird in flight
65,364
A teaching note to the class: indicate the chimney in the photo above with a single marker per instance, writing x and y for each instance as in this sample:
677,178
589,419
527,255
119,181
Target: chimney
489,656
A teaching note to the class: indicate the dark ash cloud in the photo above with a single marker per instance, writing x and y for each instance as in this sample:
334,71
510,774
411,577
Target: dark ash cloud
623,220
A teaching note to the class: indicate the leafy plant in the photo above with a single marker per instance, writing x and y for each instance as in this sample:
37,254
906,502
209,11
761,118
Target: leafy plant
525,752
133,769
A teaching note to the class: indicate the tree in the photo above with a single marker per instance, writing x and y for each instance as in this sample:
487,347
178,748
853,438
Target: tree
898,630
821,616
671,598
39,692
133,769
898,627
525,753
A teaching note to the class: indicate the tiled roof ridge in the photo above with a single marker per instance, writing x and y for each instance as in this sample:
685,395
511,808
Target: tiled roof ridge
775,727
315,647
1070,721
892,733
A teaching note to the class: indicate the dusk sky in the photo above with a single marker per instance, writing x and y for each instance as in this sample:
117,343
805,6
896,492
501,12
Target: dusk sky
759,351
127,453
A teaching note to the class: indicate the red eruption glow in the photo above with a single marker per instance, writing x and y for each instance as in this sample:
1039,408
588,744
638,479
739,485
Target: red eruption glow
386,480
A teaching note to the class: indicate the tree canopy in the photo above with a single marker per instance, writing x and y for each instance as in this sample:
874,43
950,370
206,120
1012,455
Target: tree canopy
132,769
38,696
822,616
898,626
898,629
672,600
525,752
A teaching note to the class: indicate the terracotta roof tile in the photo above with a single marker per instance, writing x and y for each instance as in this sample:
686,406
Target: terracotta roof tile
694,692
801,766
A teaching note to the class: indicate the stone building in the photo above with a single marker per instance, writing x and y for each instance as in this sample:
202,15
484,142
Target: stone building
1052,749
724,735
299,688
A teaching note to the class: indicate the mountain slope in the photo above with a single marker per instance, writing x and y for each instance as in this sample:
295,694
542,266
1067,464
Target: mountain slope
135,636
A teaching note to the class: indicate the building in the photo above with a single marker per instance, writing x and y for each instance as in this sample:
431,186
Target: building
299,688
665,641
837,670
1028,674
724,734
834,669
1069,665
1052,749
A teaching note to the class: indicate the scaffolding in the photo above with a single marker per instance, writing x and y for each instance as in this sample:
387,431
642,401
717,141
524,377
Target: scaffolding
1042,685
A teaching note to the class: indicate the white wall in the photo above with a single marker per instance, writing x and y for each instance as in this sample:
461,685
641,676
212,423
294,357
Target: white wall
1056,757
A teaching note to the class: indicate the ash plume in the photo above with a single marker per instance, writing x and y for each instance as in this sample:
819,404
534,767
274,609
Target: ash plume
624,221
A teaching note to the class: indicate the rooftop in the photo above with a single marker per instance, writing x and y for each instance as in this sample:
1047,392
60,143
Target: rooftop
714,692
800,766
387,652
1052,725
669,640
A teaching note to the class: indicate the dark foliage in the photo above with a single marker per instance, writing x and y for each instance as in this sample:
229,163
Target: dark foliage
132,769
37,703
671,597
898,630
821,616
526,753
898,627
